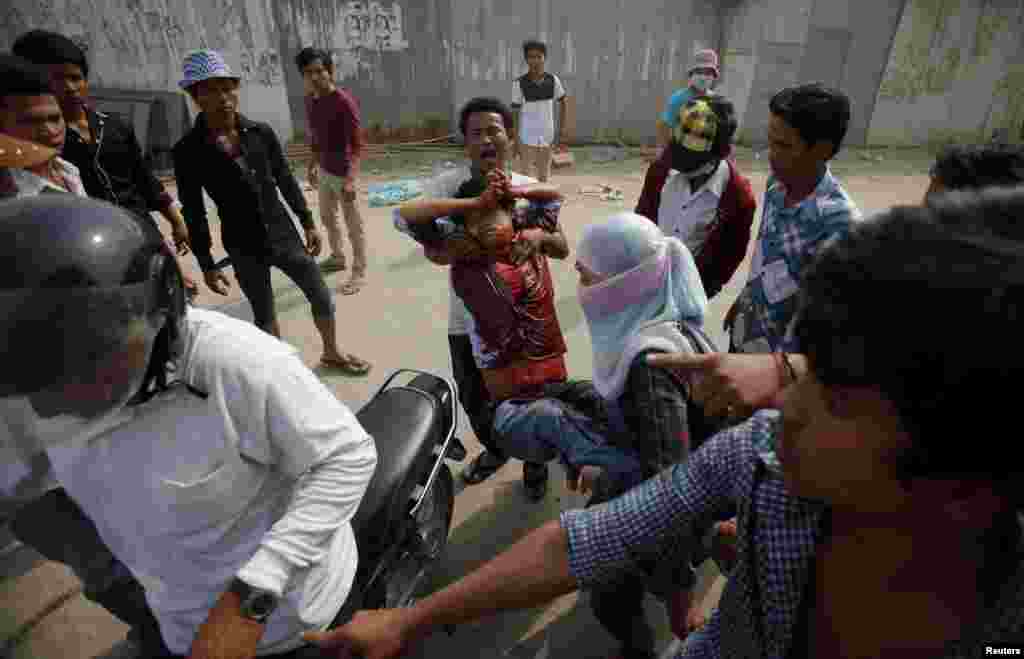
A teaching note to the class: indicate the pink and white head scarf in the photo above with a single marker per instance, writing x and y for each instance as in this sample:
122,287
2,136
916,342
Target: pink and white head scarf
651,284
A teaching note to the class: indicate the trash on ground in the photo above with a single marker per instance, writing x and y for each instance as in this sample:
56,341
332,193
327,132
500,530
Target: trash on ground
394,192
606,192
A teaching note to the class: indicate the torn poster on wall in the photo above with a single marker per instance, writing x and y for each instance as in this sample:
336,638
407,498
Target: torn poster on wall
374,26
366,27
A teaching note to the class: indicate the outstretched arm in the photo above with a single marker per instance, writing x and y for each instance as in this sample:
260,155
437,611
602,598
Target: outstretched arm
648,535
421,211
538,192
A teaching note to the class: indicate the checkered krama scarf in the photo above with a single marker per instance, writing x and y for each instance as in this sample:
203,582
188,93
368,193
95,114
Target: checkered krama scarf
697,127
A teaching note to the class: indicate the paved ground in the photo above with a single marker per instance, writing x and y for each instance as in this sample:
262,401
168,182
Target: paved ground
399,320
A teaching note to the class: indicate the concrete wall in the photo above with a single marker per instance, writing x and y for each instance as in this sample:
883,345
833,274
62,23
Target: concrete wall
386,50
771,44
956,71
619,59
916,70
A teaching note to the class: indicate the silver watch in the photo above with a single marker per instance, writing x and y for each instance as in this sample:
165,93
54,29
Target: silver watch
257,604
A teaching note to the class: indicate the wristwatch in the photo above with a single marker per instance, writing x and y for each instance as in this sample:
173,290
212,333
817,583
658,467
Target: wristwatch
257,604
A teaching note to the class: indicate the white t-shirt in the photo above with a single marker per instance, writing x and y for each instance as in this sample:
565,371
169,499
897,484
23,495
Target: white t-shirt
258,480
686,214
537,110
445,186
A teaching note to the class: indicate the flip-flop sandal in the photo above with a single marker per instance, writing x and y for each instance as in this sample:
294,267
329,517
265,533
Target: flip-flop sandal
352,286
350,366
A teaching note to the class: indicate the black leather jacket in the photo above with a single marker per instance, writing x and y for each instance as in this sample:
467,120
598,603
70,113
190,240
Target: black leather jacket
251,214
112,166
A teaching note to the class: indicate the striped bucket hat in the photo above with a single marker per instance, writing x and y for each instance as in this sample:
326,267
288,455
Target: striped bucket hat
202,65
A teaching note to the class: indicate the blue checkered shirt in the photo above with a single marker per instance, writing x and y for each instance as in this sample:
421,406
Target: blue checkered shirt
650,533
786,243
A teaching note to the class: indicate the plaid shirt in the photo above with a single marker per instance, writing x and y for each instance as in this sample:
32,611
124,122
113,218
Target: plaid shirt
651,532
788,240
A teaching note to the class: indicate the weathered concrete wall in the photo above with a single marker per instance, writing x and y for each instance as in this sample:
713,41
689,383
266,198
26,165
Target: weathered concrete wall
916,70
956,72
390,53
619,59
771,44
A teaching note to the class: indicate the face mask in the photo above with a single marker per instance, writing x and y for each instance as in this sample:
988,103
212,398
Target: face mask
701,82
693,138
690,164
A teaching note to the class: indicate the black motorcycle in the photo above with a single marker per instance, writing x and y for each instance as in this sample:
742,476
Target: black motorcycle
402,525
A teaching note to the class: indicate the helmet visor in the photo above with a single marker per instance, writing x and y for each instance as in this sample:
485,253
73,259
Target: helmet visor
77,351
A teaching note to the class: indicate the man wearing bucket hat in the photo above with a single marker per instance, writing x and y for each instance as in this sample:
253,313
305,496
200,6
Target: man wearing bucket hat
241,166
703,74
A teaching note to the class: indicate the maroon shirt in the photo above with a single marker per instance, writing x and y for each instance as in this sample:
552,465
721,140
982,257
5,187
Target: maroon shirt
334,127
726,244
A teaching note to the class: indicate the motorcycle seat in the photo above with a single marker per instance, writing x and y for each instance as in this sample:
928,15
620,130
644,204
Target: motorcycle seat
404,425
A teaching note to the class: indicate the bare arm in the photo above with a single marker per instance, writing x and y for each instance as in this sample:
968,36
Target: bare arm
421,211
532,572
555,245
173,215
540,192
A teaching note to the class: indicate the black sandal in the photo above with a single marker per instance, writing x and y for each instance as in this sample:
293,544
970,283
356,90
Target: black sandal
482,467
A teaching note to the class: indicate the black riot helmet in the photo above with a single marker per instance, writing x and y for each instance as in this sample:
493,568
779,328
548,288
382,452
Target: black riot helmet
92,305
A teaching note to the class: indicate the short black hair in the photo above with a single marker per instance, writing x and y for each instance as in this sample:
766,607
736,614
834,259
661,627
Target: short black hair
309,54
20,77
45,47
818,113
488,104
979,166
534,44
926,303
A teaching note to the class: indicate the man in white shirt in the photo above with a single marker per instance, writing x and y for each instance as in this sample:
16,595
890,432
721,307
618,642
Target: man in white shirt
536,93
213,462
483,122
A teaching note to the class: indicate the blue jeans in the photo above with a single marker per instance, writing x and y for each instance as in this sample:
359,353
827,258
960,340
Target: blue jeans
541,430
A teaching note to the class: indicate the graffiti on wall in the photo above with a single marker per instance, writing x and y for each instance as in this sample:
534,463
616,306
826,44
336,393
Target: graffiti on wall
12,21
261,67
366,28
162,31
121,39
373,26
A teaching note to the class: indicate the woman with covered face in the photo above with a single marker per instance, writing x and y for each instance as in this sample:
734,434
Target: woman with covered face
695,192
641,295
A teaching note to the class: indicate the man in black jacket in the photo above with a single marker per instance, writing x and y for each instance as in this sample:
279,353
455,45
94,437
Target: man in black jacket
241,165
103,147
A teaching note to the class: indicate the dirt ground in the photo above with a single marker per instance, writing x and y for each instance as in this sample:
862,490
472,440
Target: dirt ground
491,516
876,179
400,321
